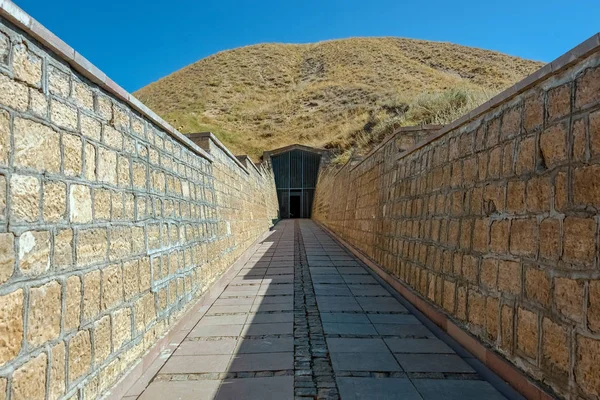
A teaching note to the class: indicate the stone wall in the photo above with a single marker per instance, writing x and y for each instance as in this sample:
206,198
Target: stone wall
111,223
495,220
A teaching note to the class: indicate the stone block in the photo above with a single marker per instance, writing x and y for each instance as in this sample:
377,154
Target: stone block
578,134
499,236
511,123
59,82
92,245
55,201
72,303
72,151
112,137
489,273
586,186
594,133
586,365
107,166
112,286
13,94
29,380
553,145
476,309
3,198
57,372
34,252
102,203
7,256
131,285
27,66
38,103
507,328
104,107
587,88
594,306
90,162
515,197
523,237
525,159
91,295
509,277
124,175
80,356
36,146
579,240
527,333
550,239
63,249
102,339
533,113
492,318
120,242
44,314
539,194
555,348
121,328
83,95
63,115
139,175
80,204
5,146
4,53
24,198
568,298
537,285
11,325
559,102
120,118
91,128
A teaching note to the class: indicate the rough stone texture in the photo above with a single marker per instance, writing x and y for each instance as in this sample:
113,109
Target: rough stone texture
34,252
57,372
25,198
523,229
11,325
55,201
7,256
44,314
91,195
80,355
29,381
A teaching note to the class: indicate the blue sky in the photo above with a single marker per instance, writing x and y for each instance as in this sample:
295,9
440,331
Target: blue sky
136,42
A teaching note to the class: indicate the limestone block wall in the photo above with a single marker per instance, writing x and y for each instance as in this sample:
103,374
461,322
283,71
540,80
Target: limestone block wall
495,220
111,223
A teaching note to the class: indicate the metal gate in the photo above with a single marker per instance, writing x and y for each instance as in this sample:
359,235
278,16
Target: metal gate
296,173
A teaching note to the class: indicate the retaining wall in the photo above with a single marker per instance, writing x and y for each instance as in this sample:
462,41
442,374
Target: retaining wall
111,222
494,219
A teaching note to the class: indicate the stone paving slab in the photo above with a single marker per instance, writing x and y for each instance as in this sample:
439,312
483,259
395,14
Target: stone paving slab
375,388
305,319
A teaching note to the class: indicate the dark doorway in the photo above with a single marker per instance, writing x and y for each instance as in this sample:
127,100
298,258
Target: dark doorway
296,173
296,204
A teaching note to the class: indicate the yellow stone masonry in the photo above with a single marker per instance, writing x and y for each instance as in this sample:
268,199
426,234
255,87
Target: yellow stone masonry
110,227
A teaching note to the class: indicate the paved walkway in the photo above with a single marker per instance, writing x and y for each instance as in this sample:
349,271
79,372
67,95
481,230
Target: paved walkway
304,319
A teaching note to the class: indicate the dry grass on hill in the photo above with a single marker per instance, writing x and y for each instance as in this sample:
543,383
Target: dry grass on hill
342,94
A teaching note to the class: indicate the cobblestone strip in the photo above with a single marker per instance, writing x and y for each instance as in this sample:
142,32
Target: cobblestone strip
313,377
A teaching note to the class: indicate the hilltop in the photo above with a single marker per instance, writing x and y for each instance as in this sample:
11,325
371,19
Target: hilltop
342,94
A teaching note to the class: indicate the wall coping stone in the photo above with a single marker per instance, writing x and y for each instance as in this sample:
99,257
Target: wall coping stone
580,51
29,25
244,159
217,142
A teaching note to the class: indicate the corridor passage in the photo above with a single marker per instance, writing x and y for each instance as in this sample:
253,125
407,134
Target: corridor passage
304,319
